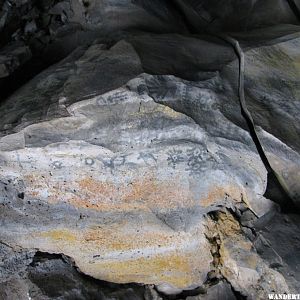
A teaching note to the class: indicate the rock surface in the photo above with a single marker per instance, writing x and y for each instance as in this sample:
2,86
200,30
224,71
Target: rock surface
131,161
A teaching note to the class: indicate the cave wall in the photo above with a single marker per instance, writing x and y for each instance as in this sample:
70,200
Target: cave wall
149,149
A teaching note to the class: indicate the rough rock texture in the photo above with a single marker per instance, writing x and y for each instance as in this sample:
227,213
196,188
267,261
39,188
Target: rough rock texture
52,277
134,160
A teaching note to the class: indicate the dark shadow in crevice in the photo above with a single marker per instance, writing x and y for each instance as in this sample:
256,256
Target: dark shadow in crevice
55,275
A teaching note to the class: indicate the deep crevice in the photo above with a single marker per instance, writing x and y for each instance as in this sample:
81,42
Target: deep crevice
236,293
285,201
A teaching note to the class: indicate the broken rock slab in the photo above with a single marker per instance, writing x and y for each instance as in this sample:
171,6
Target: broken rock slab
123,185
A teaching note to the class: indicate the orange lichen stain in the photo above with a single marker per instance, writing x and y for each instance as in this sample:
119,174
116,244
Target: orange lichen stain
174,268
59,235
107,240
93,187
96,204
33,193
158,193
219,193
140,194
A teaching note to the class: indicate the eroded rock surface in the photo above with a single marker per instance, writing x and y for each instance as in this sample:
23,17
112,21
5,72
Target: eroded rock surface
132,161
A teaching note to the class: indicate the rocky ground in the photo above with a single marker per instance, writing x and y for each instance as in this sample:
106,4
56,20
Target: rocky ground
149,149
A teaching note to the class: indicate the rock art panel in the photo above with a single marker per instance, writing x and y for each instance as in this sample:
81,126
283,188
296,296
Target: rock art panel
123,184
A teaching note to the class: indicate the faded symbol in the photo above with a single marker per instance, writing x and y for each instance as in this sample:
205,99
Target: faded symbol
142,89
112,163
148,158
196,160
118,97
113,99
159,88
175,157
89,161
57,164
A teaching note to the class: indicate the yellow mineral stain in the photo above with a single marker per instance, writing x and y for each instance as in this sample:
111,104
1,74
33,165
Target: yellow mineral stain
252,261
116,240
171,112
59,235
228,226
176,267
233,244
173,268
158,109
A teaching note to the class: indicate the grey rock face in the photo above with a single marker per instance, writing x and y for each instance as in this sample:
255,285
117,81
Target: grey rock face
221,290
13,262
235,15
130,169
196,59
277,124
274,245
71,80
